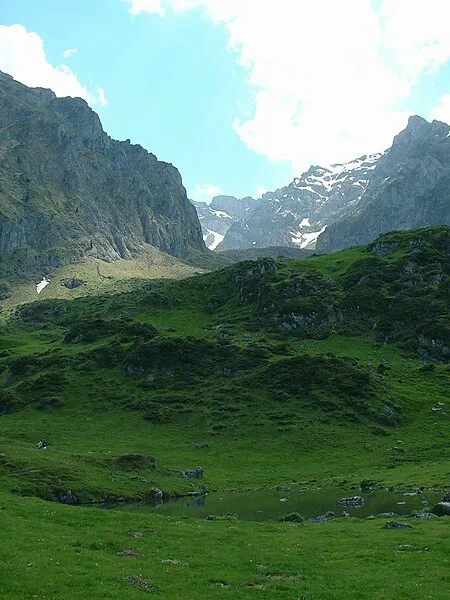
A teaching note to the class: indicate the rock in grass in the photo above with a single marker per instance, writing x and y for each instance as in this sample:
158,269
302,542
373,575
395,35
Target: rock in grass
328,516
396,525
129,553
293,517
196,473
446,497
71,284
146,586
68,498
352,501
441,509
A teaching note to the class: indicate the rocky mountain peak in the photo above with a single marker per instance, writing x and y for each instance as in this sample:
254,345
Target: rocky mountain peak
217,217
67,190
415,134
298,213
410,187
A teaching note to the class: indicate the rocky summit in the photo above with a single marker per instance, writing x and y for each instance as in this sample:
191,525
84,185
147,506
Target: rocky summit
223,212
409,187
67,190
334,207
297,214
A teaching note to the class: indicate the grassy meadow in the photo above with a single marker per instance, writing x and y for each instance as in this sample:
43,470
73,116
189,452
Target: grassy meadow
307,373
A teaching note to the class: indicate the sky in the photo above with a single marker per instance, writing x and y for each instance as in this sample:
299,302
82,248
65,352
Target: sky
240,95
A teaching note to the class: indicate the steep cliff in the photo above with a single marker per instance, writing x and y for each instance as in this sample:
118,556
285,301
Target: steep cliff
223,212
67,190
409,188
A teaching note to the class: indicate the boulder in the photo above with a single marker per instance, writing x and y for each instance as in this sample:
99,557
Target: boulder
195,473
328,516
352,501
68,498
441,509
71,284
396,525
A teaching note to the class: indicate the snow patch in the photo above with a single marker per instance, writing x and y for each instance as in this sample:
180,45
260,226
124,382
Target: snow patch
221,214
42,284
306,239
217,238
305,223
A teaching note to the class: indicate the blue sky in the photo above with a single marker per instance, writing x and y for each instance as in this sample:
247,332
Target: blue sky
244,94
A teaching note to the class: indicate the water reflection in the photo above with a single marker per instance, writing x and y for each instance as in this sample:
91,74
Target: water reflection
263,505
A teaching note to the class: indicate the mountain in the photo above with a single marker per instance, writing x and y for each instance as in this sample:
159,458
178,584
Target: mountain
297,214
342,205
67,190
409,187
217,218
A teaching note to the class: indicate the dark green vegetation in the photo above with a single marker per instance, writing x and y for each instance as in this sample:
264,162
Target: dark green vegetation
324,371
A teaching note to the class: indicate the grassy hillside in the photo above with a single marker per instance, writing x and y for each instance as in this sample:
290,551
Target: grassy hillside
304,373
95,277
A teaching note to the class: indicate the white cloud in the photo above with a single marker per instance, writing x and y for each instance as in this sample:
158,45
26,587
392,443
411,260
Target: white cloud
145,6
331,79
101,97
70,52
205,192
22,55
442,110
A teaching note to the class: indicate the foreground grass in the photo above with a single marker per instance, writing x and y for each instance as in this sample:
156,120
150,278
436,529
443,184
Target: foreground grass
56,552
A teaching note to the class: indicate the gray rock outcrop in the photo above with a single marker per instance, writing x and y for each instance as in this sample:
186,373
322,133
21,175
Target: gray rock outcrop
67,190
409,188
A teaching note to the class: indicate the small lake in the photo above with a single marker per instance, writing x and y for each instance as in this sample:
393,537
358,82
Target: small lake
263,505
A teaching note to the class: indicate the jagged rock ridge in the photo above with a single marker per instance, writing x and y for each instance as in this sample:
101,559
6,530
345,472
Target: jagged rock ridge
297,214
67,190
217,218
409,188
330,208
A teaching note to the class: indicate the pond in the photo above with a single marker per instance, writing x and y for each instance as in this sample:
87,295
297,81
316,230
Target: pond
263,505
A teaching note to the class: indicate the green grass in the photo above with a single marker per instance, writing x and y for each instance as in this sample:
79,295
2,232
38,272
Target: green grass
54,551
98,277
153,373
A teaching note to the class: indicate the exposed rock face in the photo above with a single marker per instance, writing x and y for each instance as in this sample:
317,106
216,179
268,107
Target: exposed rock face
409,188
217,217
67,190
342,205
297,214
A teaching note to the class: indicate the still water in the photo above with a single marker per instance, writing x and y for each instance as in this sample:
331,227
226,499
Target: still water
261,505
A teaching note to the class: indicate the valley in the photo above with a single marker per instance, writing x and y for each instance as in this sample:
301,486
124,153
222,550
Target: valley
276,374
248,400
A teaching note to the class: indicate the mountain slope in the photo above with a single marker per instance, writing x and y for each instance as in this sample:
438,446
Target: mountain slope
334,207
297,214
410,187
67,190
217,218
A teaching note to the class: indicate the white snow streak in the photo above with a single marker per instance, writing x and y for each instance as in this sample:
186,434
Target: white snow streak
217,239
306,239
42,284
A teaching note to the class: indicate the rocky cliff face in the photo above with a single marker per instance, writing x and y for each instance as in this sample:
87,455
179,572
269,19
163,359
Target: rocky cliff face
67,190
217,217
342,205
409,188
297,214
